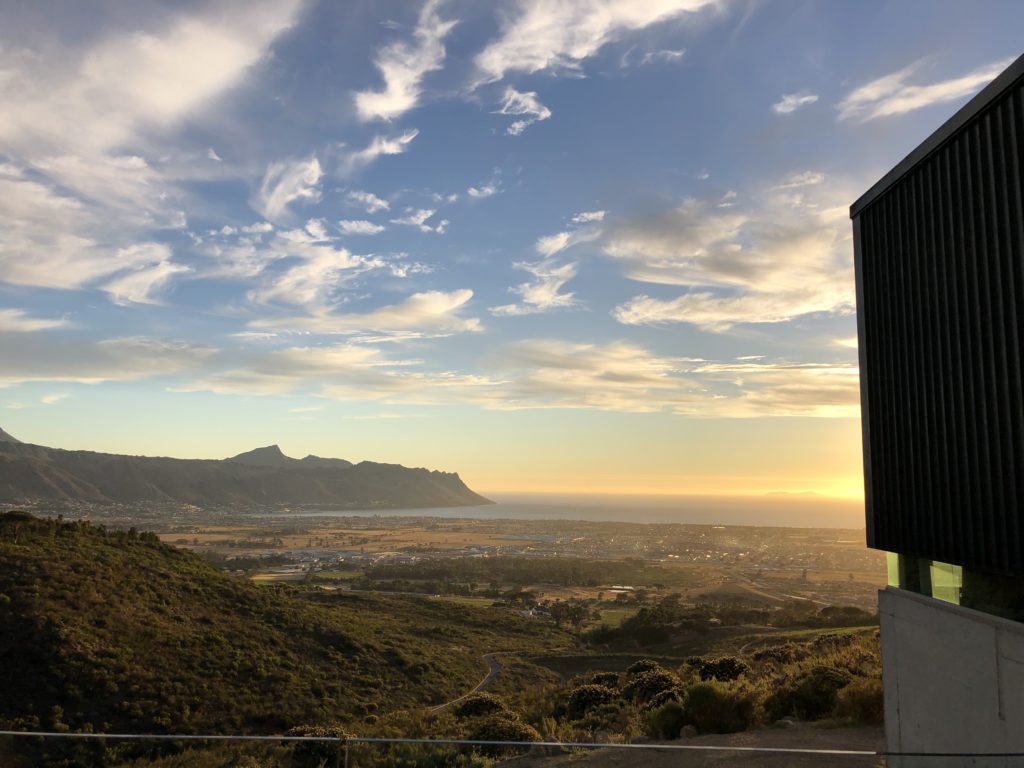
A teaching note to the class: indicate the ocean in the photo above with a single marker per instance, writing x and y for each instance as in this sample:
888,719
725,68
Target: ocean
797,511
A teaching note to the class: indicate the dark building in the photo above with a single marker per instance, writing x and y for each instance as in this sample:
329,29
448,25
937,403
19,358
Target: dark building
939,251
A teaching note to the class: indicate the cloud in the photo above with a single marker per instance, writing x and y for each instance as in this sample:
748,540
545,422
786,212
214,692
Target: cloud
662,56
44,358
791,102
418,217
17,321
370,201
286,182
802,179
893,95
561,34
153,268
522,104
360,227
403,67
781,389
543,293
549,245
429,313
492,187
93,100
79,120
770,264
587,217
551,373
56,397
379,146
484,190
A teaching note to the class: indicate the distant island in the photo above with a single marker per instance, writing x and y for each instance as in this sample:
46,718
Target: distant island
264,476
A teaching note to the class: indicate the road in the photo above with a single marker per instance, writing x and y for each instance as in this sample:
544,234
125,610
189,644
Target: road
493,668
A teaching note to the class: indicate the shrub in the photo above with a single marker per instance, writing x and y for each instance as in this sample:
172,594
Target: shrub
861,701
586,697
609,679
724,669
714,707
669,694
502,727
665,721
316,753
647,685
644,665
480,704
811,697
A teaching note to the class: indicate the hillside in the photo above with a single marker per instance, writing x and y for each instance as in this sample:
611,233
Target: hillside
263,476
115,631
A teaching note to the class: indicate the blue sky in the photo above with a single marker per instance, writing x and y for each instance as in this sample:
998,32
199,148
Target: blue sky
553,245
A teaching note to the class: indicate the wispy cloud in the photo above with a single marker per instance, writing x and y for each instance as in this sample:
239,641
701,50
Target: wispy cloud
56,397
286,182
403,67
360,227
44,358
487,189
368,200
525,106
418,217
588,217
379,146
893,94
767,264
543,293
791,102
802,179
560,34
18,321
429,313
152,270
70,118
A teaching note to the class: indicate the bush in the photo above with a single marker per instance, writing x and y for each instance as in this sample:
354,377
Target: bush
666,721
670,694
502,727
480,704
644,665
646,685
861,701
586,697
714,707
609,679
811,697
316,753
724,669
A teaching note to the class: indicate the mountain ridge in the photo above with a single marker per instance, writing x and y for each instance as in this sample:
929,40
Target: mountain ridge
263,476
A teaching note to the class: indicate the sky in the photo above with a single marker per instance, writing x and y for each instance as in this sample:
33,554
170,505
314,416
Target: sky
555,245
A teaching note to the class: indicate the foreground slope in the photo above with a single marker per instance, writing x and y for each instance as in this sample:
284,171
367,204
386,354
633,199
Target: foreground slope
264,476
115,631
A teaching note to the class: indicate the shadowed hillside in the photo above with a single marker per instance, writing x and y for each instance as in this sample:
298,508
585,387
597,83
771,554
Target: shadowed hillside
114,631
262,476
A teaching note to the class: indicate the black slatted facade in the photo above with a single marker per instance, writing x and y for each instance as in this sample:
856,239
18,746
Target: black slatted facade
939,246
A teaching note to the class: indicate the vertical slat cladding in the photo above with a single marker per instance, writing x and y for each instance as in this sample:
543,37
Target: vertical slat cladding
942,271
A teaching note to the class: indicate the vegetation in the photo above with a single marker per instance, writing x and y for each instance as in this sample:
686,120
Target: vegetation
115,631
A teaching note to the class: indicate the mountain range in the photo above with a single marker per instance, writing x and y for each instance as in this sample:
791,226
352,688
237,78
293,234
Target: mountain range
264,476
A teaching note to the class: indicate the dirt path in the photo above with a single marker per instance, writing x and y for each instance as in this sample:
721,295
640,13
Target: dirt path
493,668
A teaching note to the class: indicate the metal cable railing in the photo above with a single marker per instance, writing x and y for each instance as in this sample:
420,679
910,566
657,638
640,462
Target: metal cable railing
344,742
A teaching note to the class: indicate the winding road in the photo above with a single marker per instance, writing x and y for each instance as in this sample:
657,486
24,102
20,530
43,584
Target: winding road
493,668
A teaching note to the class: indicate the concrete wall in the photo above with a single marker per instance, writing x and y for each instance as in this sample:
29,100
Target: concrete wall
954,681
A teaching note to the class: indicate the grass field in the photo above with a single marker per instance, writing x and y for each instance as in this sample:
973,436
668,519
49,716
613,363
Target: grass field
474,602
613,617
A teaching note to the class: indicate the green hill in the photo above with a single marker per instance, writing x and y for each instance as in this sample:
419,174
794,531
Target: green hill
114,631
